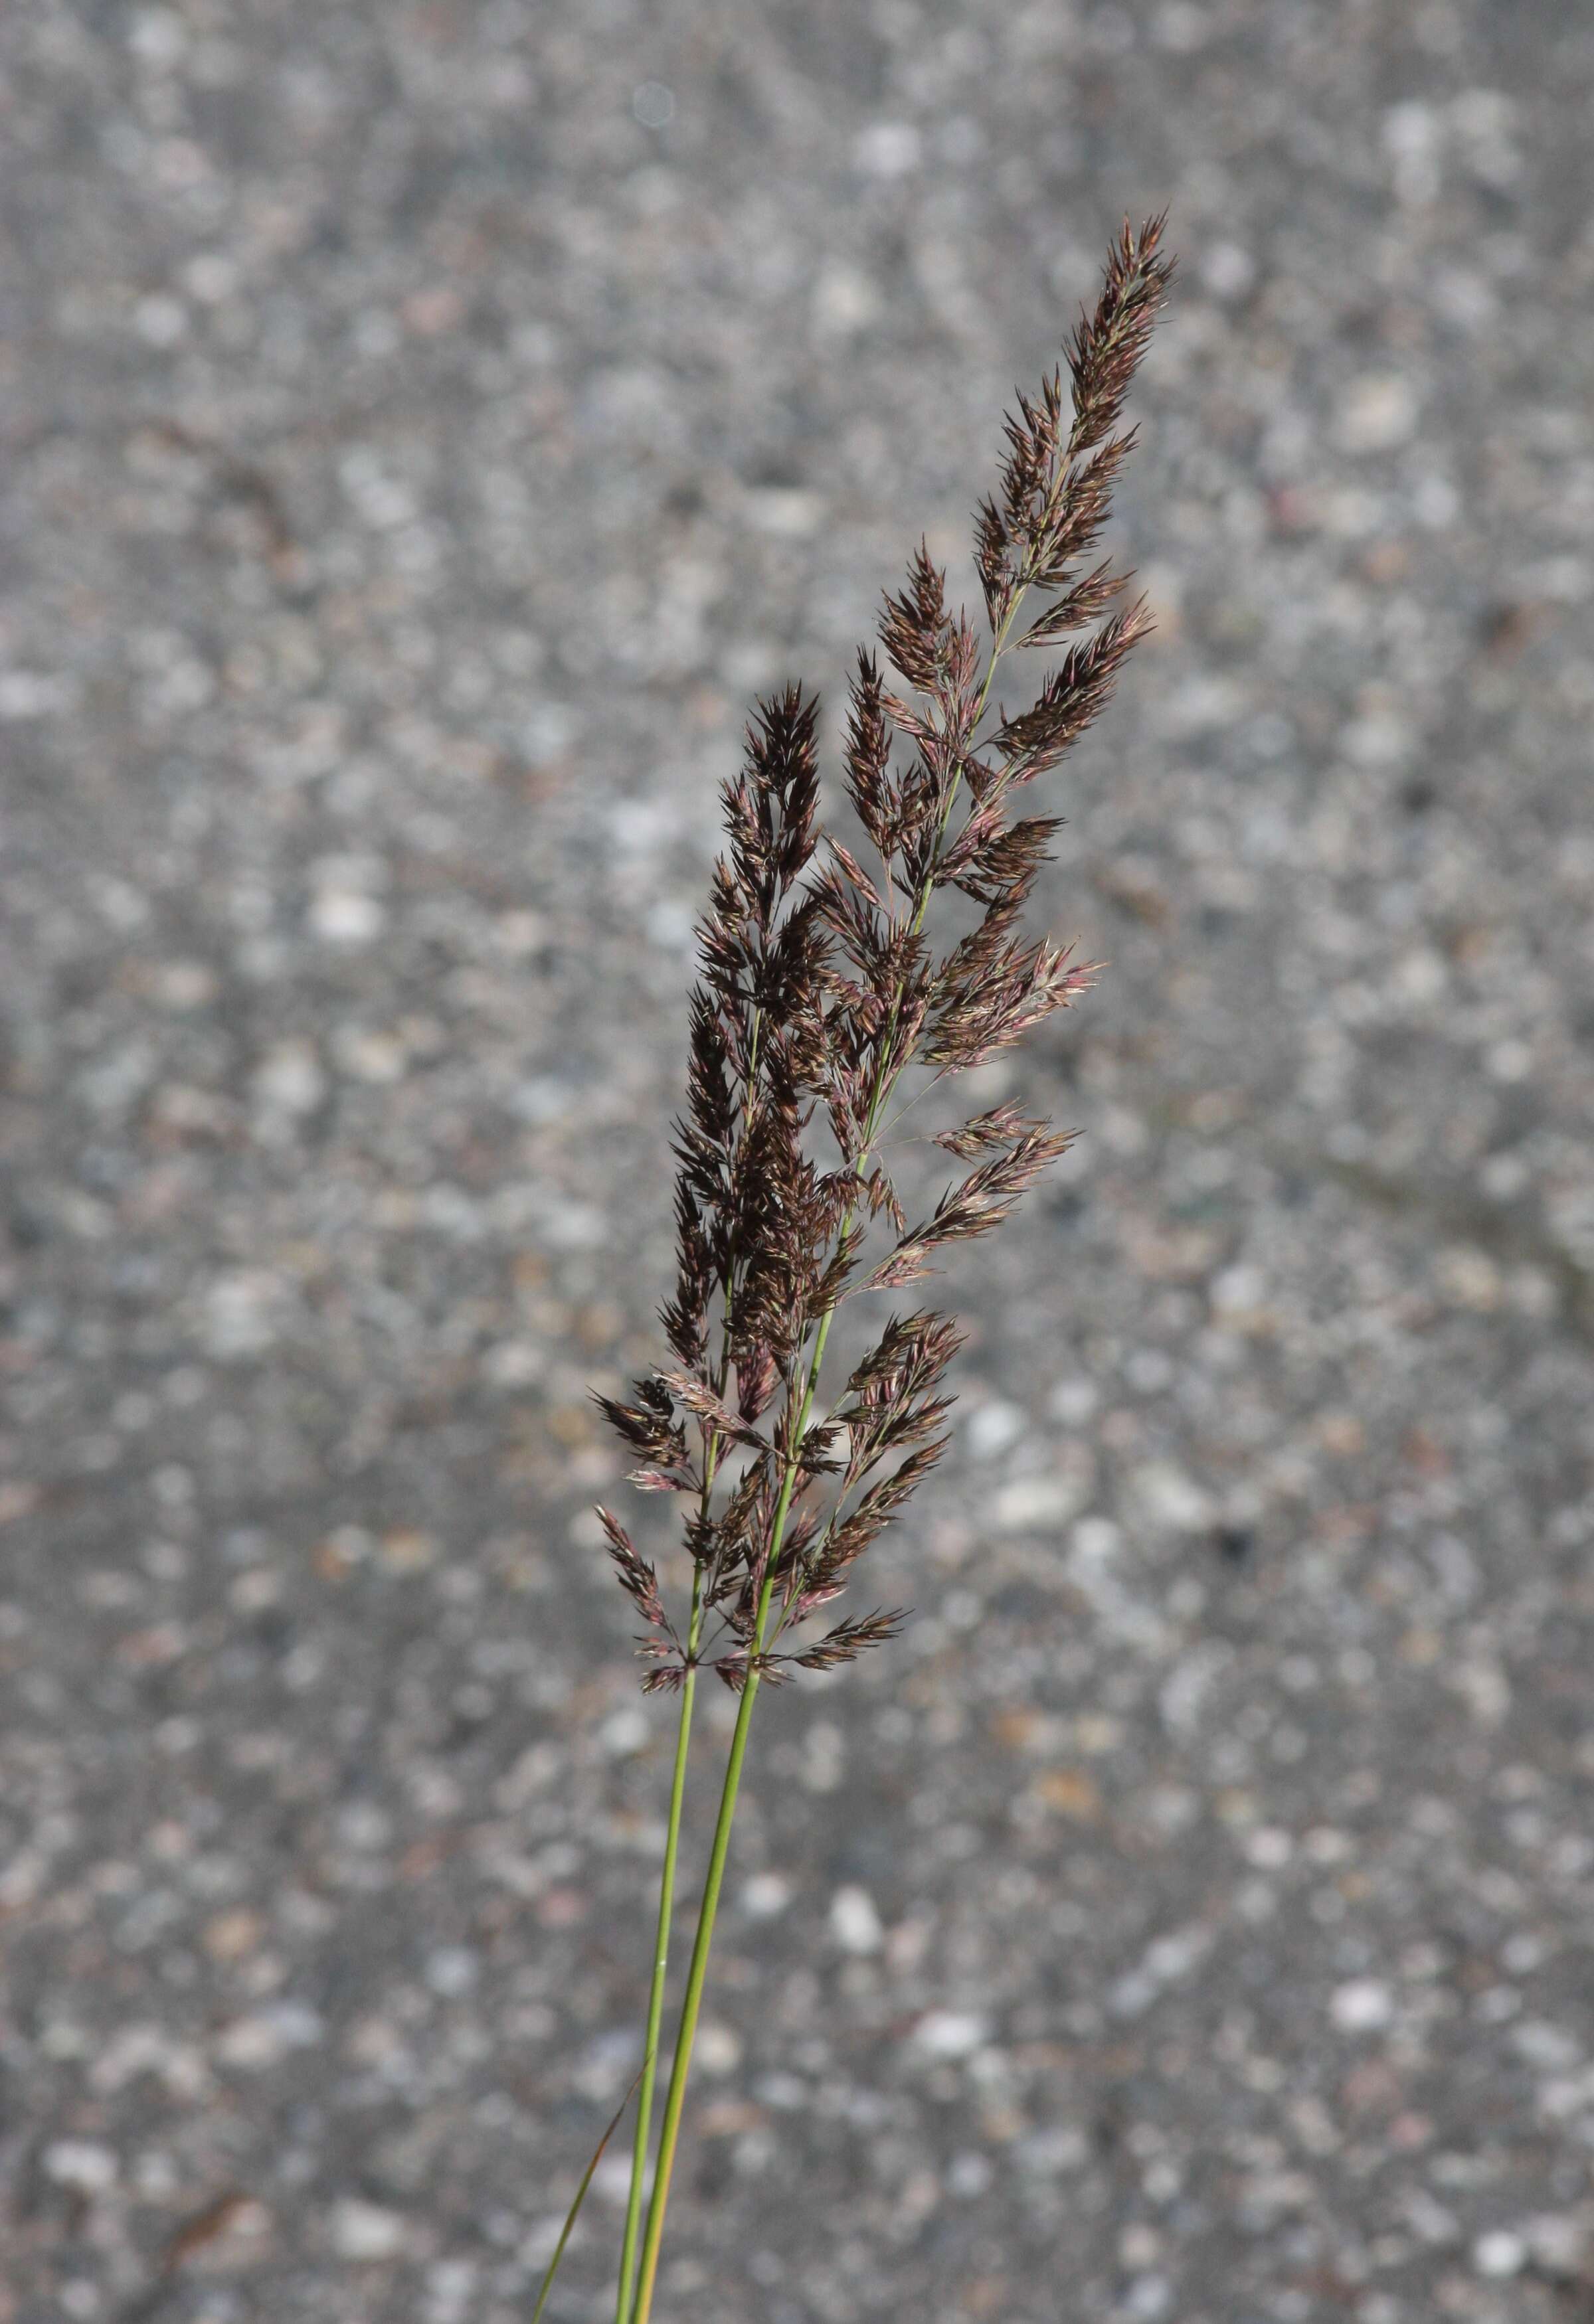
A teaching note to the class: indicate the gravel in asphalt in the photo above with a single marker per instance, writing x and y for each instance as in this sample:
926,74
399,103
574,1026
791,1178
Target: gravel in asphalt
425,427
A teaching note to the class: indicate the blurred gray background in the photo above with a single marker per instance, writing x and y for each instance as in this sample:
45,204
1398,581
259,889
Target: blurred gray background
425,427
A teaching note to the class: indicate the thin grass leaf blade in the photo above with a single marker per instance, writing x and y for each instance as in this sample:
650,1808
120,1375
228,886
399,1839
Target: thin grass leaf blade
588,2176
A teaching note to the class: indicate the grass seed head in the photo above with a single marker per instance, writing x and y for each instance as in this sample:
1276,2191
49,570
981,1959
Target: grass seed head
822,989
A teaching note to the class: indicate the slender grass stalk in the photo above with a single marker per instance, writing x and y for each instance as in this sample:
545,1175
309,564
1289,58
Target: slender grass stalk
697,1975
655,1999
818,994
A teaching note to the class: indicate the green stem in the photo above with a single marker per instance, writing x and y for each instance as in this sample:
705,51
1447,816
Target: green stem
655,2000
675,2100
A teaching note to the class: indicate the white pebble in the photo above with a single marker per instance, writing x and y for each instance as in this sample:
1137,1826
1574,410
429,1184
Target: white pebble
1228,271
1095,1540
1362,2006
1072,1401
1170,1498
81,2163
451,1971
951,2033
514,1363
1239,1288
853,1922
718,2050
1269,1848
289,1079
1500,2253
243,1310
970,2175
765,1895
341,916
888,149
992,1428
160,320
1052,2152
1036,1504
625,1732
364,2231
1376,413
364,1825
1149,2296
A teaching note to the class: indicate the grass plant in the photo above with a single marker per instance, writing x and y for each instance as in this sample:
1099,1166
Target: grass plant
826,987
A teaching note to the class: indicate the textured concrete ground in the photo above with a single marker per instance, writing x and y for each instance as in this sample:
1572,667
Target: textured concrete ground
424,427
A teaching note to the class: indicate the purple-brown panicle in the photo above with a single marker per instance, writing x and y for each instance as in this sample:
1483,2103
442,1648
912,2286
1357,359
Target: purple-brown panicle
820,987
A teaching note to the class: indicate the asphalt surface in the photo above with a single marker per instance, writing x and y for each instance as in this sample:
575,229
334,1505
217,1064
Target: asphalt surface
425,427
